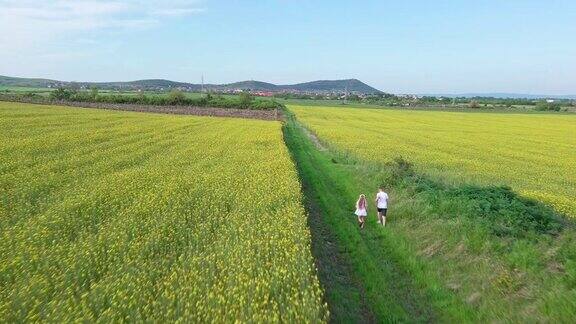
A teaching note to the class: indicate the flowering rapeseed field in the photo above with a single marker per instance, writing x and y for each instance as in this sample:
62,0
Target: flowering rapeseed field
535,154
118,216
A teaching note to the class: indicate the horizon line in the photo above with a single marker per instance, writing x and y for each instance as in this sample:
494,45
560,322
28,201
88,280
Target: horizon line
420,93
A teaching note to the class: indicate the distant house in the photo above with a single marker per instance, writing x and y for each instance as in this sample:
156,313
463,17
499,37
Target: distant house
263,93
549,100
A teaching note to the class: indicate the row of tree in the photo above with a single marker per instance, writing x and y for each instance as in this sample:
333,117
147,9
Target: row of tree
173,98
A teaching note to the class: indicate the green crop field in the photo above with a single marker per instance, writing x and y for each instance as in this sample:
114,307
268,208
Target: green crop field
24,89
535,154
129,217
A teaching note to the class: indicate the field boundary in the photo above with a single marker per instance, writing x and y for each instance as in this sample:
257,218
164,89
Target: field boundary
171,110
376,285
343,290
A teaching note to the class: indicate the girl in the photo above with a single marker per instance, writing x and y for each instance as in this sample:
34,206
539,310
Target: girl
361,210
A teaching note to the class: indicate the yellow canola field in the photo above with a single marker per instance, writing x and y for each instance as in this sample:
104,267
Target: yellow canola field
129,217
535,154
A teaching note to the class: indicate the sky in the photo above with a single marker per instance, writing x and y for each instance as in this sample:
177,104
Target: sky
441,46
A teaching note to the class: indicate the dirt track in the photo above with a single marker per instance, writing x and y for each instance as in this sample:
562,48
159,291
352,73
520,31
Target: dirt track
176,110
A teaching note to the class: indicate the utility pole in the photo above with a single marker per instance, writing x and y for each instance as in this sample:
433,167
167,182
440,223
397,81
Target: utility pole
202,83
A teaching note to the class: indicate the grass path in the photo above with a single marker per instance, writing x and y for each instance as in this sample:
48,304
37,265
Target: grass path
379,283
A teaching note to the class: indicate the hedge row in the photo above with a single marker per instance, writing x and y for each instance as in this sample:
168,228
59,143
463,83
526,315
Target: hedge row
174,98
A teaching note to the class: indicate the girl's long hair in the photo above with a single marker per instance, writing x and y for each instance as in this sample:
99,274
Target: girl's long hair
361,202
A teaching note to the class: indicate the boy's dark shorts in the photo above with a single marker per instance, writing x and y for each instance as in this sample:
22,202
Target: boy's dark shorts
383,211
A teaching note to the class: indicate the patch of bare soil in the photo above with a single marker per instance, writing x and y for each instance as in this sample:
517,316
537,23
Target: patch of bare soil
313,137
175,110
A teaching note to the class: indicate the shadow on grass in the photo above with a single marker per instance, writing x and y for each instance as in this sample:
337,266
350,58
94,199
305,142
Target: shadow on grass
498,208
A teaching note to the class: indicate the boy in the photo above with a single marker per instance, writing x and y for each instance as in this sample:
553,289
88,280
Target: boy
382,205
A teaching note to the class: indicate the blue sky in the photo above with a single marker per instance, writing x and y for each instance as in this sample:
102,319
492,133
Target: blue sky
397,46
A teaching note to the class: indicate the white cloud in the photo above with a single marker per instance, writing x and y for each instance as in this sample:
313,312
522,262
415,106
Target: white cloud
176,12
60,10
34,24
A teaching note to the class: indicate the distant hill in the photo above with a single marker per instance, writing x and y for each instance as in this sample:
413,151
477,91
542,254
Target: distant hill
248,85
25,82
350,85
139,83
45,83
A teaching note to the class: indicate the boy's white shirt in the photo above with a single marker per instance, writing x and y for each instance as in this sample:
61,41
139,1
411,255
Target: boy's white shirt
382,199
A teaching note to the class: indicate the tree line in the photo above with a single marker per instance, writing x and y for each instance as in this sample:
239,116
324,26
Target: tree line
172,98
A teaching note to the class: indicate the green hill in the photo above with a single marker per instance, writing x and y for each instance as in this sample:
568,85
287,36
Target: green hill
350,85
